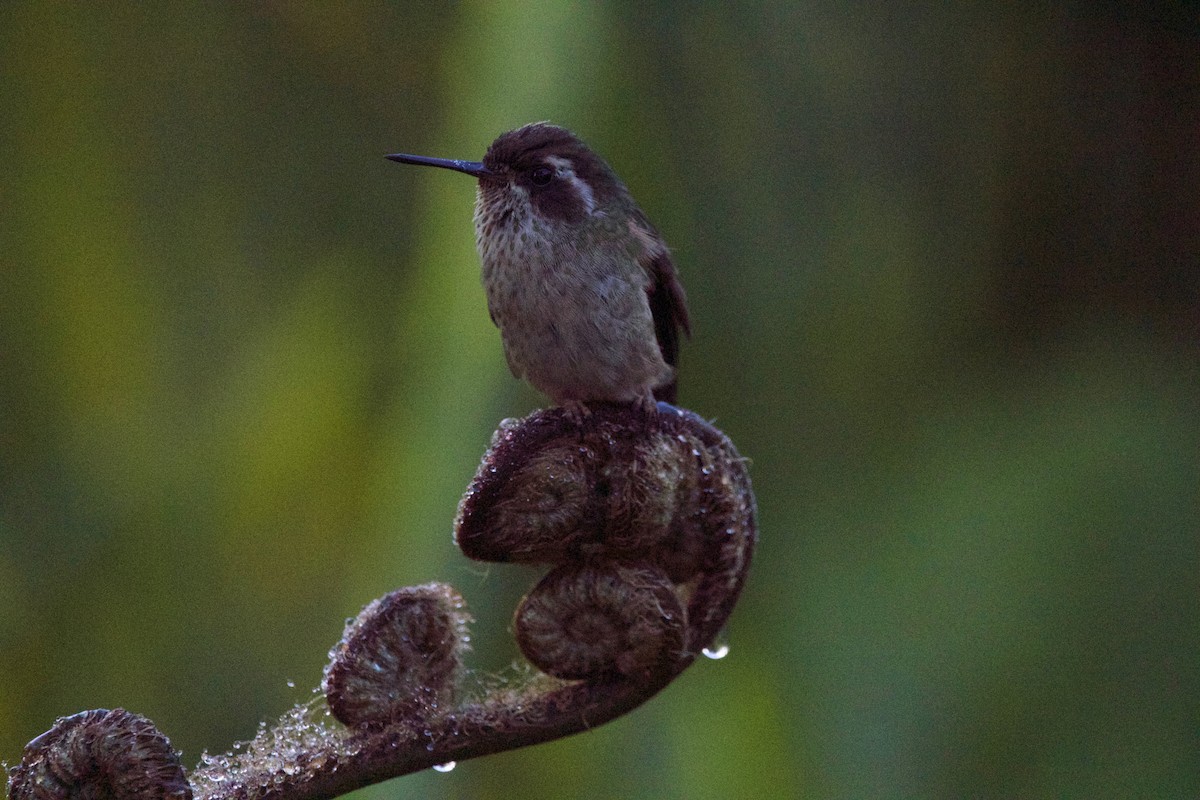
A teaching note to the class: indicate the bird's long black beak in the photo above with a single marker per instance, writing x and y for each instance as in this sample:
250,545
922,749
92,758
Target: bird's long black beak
475,168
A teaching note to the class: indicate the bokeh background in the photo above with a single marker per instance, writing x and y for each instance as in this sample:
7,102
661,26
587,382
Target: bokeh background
943,264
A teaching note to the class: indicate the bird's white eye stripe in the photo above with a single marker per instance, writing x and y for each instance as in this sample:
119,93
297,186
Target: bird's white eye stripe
582,190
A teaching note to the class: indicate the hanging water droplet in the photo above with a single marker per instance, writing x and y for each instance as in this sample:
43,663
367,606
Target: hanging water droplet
291,684
716,651
449,765
719,648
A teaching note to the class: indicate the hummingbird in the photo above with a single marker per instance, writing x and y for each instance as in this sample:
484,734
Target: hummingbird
580,284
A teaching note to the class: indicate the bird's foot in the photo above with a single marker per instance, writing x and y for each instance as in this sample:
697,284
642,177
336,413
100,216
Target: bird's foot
646,404
576,411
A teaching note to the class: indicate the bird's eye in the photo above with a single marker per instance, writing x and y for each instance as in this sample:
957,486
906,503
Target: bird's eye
541,176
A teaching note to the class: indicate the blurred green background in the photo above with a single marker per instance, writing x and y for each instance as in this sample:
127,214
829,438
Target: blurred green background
943,267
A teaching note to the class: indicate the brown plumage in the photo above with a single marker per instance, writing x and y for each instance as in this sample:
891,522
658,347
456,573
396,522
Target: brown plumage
581,285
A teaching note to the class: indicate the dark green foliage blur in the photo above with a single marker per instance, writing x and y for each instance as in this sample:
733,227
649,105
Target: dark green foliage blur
943,267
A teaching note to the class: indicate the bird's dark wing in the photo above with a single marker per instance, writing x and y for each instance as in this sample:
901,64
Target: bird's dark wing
668,302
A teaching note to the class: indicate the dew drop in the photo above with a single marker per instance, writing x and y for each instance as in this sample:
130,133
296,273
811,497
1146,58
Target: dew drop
449,765
291,684
718,649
